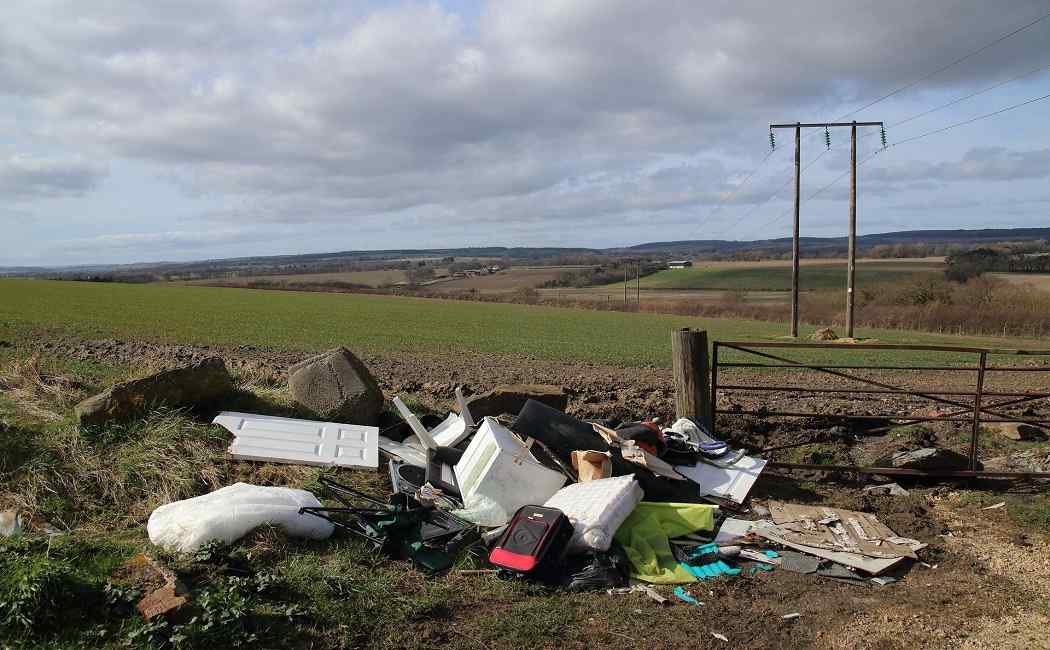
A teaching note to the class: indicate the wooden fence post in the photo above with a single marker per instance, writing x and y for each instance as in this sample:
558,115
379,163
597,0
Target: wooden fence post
689,364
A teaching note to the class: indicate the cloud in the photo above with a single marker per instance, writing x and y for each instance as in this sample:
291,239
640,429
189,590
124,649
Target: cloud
555,112
141,242
24,177
978,164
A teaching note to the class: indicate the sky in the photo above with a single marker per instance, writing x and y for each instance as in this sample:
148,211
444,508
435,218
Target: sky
198,129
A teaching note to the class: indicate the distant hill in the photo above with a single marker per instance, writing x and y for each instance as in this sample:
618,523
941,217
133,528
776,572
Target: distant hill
959,236
315,261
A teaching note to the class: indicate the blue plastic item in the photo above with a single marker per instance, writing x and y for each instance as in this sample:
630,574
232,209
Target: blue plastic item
710,570
759,567
684,596
703,554
704,563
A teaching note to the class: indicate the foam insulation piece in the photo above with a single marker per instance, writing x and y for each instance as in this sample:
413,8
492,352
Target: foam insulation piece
596,510
227,514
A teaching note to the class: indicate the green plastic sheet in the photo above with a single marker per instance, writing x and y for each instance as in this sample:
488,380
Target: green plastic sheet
645,534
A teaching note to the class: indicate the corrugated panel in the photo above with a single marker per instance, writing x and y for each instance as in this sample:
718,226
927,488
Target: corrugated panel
304,442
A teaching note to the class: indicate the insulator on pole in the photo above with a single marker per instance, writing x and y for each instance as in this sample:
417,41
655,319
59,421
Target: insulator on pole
772,141
882,134
827,137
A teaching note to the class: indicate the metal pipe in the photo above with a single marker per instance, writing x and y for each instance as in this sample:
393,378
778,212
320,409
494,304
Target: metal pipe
901,471
853,367
878,391
880,416
742,345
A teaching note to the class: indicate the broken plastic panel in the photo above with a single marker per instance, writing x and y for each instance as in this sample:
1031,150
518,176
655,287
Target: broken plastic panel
417,426
464,408
733,483
452,431
403,452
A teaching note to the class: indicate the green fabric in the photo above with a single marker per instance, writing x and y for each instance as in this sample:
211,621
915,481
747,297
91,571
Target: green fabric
645,537
403,537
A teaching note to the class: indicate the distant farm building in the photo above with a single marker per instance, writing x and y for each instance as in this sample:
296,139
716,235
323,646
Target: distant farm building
679,264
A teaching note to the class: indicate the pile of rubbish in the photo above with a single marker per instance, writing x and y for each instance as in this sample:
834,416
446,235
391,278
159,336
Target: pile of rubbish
546,497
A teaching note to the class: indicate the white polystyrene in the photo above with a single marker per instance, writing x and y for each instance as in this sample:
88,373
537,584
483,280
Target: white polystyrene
228,513
596,509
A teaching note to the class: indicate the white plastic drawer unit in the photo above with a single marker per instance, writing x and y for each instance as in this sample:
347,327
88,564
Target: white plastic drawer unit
497,465
304,442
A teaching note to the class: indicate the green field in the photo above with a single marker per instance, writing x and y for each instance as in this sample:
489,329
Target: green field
774,278
379,324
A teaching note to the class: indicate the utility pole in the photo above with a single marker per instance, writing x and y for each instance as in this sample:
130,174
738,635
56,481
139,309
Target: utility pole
851,264
638,284
625,285
794,232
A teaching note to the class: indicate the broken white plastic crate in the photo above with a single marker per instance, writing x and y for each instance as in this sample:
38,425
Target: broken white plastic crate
304,442
498,466
596,510
227,514
452,431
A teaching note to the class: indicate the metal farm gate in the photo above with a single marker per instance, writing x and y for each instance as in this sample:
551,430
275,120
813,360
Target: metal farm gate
973,399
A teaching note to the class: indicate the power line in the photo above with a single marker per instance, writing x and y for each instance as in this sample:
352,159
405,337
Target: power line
740,185
818,192
769,198
946,67
965,97
867,159
970,121
936,72
901,89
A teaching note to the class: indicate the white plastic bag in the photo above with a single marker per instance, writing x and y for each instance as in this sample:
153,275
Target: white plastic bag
229,513
480,510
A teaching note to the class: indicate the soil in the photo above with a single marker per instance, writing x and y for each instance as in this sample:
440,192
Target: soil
632,393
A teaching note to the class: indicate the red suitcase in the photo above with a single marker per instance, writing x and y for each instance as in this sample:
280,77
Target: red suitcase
535,540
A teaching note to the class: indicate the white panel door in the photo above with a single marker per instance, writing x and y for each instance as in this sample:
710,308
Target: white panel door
303,442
